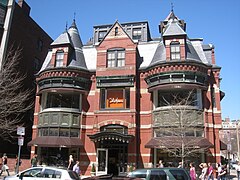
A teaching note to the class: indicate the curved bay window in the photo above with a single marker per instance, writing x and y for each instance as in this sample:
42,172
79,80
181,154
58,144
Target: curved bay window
115,98
183,97
175,50
63,100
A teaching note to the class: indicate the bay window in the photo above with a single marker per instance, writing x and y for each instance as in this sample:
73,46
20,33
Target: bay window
63,100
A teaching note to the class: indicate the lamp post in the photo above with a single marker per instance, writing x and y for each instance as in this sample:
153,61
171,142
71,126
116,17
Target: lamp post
21,133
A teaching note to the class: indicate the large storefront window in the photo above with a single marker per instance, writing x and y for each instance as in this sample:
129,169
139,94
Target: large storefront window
115,98
63,100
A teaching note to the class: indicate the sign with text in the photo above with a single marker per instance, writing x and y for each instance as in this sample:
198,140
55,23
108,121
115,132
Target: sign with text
20,141
21,131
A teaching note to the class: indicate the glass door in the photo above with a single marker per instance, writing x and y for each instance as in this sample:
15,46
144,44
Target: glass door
102,161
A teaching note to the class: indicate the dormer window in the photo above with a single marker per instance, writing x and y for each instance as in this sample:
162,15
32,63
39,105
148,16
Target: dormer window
59,59
175,51
101,35
137,34
116,58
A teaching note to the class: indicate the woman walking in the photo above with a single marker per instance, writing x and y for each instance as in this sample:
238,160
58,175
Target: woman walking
192,172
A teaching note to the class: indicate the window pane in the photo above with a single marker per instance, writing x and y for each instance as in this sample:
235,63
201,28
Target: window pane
137,33
175,50
64,132
59,59
63,100
127,98
74,133
184,97
111,59
53,132
102,97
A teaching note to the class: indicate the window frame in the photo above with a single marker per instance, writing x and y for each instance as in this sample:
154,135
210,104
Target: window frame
117,59
58,60
49,98
175,50
101,35
161,96
104,94
137,33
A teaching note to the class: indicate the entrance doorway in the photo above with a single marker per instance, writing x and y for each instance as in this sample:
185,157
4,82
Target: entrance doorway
112,158
102,161
112,149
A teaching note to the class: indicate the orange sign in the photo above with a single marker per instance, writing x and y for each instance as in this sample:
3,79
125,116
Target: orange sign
115,99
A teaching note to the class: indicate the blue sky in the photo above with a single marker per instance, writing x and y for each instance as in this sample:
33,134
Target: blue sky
216,21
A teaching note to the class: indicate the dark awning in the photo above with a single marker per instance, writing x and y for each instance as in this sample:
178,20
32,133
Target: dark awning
125,138
175,142
51,141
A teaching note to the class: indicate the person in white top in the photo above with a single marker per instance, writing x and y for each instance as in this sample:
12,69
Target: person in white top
204,168
238,170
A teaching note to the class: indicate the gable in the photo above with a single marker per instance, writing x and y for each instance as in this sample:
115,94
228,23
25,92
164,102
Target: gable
116,32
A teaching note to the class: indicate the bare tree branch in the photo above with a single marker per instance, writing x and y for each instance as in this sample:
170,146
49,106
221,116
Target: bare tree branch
15,99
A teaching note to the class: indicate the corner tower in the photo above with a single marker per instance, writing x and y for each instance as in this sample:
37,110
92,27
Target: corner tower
63,83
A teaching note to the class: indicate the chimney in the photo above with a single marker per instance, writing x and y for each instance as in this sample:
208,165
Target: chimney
227,119
25,7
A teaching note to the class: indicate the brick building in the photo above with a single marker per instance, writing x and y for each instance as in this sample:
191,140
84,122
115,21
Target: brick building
109,102
19,30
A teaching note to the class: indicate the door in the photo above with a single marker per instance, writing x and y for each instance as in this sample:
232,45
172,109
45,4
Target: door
102,161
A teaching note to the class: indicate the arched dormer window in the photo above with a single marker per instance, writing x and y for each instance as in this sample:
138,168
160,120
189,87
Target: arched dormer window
116,57
59,59
175,50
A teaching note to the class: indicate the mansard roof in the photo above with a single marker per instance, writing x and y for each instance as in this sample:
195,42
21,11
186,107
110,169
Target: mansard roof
194,52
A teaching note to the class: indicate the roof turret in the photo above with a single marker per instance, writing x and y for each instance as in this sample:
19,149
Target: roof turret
173,24
77,58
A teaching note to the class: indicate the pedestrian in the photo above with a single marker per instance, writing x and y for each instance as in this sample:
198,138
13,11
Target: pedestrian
4,164
238,170
193,174
70,162
34,161
223,173
180,165
160,164
210,172
204,168
219,170
17,164
76,168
